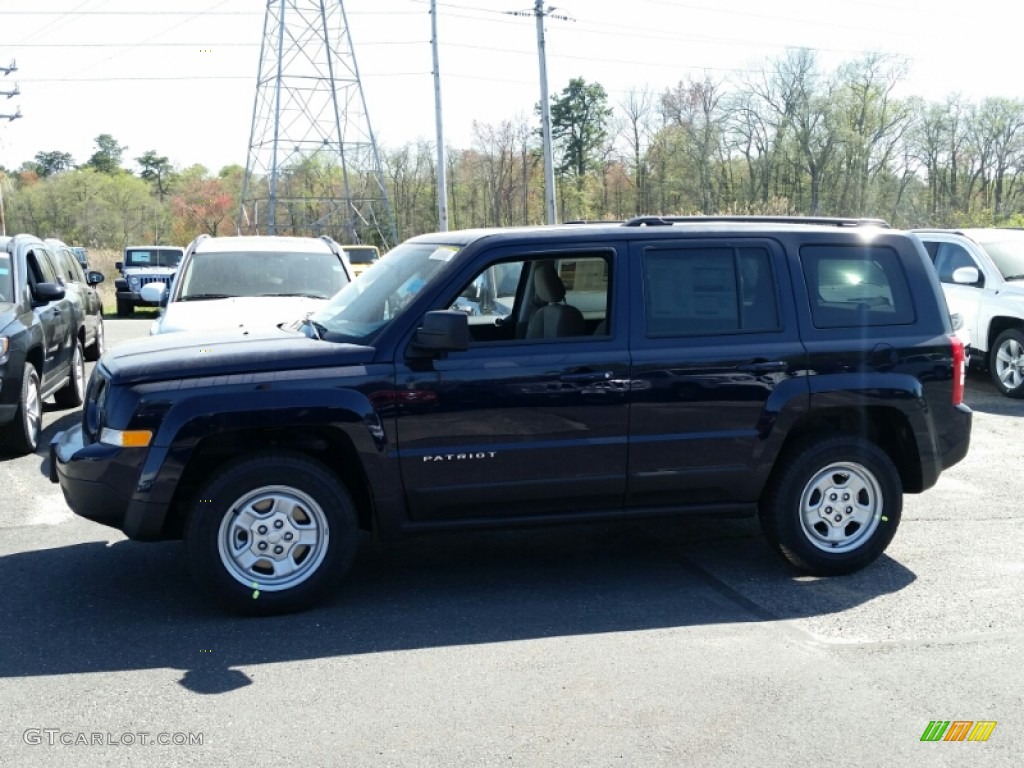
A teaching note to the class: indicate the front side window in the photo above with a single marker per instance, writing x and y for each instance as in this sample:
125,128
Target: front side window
709,290
949,257
259,273
851,286
553,296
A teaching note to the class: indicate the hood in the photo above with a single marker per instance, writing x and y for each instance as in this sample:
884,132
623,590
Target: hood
190,355
1012,289
236,312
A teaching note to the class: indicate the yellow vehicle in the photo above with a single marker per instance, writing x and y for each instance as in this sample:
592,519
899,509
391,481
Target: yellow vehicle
360,256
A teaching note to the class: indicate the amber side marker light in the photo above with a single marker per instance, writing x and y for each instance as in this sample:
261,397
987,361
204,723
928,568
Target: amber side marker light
129,438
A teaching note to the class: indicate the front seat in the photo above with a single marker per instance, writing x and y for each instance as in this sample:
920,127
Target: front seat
556,318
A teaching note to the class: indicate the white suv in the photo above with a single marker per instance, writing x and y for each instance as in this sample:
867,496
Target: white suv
982,275
254,281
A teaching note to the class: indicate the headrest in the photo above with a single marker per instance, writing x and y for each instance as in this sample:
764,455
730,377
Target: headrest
548,285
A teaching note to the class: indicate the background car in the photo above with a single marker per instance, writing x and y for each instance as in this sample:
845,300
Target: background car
982,277
361,257
81,283
143,265
251,281
41,350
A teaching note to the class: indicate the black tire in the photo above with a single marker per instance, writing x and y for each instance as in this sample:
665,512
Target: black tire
95,351
72,394
1006,363
21,436
269,501
854,500
124,308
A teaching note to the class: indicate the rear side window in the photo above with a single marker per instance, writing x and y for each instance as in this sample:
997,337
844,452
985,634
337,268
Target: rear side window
856,285
709,290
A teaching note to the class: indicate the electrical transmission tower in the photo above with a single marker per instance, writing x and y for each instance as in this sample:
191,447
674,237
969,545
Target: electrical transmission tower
312,166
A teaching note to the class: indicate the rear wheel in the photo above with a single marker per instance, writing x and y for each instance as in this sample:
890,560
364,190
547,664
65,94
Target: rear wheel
21,436
272,533
1007,364
99,345
73,393
833,505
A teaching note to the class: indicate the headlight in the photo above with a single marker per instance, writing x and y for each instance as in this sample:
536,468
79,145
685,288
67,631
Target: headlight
133,282
5,344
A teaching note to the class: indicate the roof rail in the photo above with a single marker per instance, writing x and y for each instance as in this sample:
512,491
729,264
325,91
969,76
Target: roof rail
658,221
594,221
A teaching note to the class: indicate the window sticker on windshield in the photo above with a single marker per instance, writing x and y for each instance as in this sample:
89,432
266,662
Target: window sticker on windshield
444,253
336,268
4,271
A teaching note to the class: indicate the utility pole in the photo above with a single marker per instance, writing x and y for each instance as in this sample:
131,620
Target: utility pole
10,94
545,118
442,176
539,12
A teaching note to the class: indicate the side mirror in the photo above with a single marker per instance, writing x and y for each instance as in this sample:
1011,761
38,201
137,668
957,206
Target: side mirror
94,278
966,275
154,293
119,266
445,330
44,293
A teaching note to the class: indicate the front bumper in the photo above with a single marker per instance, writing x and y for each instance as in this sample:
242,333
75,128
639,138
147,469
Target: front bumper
99,483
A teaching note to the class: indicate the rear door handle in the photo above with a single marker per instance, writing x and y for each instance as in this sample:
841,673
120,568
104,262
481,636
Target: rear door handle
775,366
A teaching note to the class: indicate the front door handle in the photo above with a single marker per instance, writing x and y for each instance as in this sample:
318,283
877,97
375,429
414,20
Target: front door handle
775,366
587,376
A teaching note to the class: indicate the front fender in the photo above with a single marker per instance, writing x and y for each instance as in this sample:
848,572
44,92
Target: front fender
189,420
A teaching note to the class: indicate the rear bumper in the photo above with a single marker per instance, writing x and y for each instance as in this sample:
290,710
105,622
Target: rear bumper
960,426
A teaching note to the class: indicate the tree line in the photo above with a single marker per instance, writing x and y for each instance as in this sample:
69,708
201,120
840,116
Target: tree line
791,139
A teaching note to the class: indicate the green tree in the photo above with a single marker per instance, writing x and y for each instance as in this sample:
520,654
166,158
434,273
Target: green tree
108,154
157,170
578,119
52,163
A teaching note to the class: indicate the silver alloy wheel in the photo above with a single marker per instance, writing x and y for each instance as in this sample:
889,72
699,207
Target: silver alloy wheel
32,410
840,507
1010,363
273,538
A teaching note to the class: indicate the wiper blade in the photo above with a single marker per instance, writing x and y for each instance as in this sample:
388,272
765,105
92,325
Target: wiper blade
305,294
203,296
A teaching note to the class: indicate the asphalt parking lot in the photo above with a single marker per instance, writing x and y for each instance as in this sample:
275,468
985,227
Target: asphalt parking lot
666,643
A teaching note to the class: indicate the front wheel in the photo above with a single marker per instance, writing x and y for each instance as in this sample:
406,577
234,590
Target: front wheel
1007,364
833,505
270,534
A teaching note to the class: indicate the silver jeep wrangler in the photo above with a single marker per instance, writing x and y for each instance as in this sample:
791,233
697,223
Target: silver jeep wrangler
142,265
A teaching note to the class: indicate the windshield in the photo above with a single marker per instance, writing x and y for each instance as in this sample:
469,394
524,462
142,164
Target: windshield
6,280
262,273
1008,256
381,294
153,257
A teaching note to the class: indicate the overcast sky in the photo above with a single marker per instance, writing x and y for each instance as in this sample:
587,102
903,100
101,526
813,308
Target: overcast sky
180,78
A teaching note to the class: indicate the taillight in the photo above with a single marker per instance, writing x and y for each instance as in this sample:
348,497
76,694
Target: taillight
959,370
